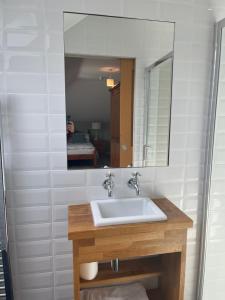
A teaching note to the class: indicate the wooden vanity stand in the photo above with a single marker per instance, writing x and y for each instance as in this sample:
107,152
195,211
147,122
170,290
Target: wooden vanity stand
145,249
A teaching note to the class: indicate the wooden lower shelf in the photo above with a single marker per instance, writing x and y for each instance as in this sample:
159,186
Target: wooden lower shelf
129,270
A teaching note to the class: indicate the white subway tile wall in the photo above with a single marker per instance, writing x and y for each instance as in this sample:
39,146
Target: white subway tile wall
39,187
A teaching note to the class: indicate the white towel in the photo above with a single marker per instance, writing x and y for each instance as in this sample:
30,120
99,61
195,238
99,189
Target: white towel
123,292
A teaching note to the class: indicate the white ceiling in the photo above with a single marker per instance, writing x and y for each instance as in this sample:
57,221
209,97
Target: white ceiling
71,19
95,67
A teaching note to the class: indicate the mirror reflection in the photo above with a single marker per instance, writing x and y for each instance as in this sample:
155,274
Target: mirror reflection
118,91
158,96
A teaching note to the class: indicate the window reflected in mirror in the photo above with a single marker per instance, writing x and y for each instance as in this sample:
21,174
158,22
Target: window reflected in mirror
118,83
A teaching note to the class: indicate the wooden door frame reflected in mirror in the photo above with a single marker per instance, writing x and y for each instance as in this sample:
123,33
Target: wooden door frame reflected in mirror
122,116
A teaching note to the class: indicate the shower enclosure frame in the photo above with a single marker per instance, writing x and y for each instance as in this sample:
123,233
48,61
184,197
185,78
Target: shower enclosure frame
6,287
209,151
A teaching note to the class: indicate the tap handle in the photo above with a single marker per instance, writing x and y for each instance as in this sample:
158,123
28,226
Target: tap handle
109,175
136,174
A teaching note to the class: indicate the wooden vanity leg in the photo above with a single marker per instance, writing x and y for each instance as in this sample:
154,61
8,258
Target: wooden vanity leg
76,271
173,278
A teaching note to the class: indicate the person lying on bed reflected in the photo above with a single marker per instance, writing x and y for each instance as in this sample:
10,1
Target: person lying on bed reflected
70,128
74,136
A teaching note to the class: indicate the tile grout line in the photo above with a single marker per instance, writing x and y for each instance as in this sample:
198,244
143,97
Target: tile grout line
46,32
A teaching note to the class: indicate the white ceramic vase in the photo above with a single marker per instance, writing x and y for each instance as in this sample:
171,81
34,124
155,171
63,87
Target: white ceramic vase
89,271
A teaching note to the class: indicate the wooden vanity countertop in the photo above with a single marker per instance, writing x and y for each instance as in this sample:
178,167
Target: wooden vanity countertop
81,225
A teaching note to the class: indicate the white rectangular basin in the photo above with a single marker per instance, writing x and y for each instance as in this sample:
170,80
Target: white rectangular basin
126,210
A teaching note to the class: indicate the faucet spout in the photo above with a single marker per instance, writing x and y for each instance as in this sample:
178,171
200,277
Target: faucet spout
133,183
136,186
110,190
108,184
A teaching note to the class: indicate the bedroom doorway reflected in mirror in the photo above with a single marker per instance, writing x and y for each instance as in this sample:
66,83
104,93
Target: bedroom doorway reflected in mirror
99,98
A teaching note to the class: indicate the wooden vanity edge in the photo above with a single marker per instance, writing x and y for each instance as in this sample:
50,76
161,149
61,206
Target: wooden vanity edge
85,229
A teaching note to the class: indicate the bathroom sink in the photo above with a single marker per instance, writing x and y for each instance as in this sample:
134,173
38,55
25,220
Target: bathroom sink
126,210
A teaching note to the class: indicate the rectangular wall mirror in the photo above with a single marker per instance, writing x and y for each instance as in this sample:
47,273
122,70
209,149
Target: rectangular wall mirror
118,91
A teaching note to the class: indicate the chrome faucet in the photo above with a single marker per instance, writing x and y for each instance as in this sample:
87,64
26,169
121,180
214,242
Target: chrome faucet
133,182
108,184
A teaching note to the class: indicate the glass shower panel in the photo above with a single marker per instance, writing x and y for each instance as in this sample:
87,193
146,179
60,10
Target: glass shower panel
6,291
214,275
159,85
